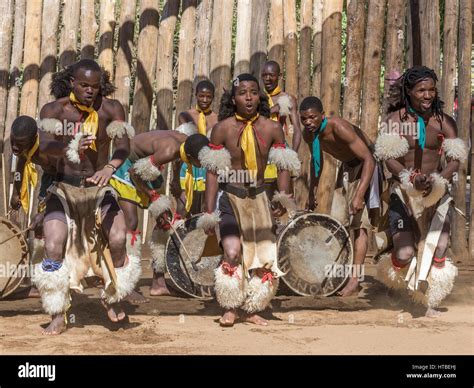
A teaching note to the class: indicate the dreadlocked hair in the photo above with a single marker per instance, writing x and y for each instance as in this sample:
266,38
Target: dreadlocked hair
61,82
398,92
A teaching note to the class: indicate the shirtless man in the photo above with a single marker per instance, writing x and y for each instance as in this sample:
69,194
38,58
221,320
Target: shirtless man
138,182
243,141
77,130
283,105
204,119
346,143
24,141
418,134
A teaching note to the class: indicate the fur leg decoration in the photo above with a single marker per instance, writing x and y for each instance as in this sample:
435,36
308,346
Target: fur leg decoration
228,286
127,278
441,282
158,245
53,286
260,292
392,277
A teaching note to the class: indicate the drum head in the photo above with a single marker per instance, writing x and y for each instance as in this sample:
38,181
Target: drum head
200,283
312,265
13,257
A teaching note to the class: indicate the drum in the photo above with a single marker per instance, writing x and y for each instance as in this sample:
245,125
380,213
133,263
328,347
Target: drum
14,260
198,280
315,251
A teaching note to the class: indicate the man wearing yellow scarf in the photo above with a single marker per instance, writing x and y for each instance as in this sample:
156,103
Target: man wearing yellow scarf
204,119
139,183
283,105
82,219
242,143
24,141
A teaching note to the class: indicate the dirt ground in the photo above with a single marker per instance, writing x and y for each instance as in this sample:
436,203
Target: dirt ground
372,323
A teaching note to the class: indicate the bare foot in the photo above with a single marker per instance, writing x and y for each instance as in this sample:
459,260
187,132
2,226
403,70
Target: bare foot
136,298
255,319
57,325
158,286
432,313
33,292
114,311
351,288
228,319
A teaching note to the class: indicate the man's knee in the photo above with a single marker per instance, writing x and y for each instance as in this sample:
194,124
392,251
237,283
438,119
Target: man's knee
405,254
232,255
117,239
54,246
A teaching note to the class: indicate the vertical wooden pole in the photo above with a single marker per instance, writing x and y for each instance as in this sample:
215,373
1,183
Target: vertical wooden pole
14,85
6,29
31,58
89,29
291,47
146,57
69,32
186,56
414,34
49,41
394,46
124,57
258,32
275,32
372,64
354,60
304,90
317,46
463,121
331,90
106,35
304,69
164,65
203,34
450,40
6,33
430,42
243,38
221,47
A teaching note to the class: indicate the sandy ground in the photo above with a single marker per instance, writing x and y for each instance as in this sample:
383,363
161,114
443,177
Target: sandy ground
372,323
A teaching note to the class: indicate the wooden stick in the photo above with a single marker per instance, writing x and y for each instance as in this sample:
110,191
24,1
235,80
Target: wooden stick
193,264
291,47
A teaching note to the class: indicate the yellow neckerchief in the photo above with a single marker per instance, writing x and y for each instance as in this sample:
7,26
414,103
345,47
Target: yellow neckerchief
247,143
274,92
188,180
30,177
202,128
90,125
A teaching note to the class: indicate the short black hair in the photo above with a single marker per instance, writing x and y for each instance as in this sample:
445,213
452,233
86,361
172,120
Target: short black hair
311,102
194,144
274,64
87,64
205,84
241,78
24,126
